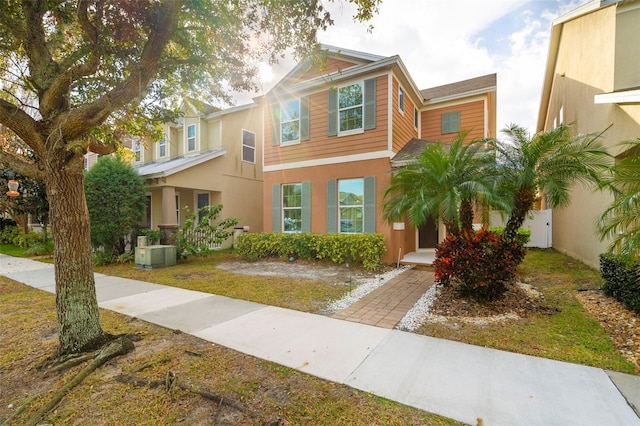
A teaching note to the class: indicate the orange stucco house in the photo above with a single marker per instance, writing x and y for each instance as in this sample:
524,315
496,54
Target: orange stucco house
331,138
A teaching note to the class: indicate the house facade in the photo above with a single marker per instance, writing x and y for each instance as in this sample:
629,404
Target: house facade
592,81
210,157
330,137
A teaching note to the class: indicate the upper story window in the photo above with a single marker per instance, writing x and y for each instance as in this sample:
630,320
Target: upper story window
351,205
248,146
292,207
290,121
416,116
450,122
162,147
350,107
137,151
400,99
191,137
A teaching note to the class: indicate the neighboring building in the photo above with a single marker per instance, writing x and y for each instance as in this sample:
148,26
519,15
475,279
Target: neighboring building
210,157
592,81
330,138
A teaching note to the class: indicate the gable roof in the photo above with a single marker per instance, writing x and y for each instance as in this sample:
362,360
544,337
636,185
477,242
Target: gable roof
364,63
175,165
460,89
554,45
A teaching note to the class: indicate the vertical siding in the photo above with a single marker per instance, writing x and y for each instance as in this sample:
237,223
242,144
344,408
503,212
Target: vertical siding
319,144
403,128
471,118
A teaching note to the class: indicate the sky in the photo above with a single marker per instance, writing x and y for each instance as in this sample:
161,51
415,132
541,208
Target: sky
444,41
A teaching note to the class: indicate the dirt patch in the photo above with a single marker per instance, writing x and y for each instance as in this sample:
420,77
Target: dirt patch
327,272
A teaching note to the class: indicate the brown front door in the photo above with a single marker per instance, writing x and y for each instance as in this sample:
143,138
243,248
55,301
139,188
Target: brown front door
428,234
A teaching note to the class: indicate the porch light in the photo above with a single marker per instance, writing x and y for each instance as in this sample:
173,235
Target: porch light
13,188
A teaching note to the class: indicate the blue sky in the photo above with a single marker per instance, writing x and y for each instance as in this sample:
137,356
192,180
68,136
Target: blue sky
444,41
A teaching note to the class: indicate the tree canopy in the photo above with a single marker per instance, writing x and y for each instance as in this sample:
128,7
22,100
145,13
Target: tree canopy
80,74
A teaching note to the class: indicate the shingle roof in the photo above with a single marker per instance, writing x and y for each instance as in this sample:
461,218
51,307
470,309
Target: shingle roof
175,165
461,87
410,151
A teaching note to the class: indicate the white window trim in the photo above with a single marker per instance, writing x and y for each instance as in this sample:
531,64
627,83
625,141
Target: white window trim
186,139
351,131
166,147
283,208
401,90
242,145
293,141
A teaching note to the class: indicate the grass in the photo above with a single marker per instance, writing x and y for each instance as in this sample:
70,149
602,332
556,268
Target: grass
12,250
269,393
201,274
570,335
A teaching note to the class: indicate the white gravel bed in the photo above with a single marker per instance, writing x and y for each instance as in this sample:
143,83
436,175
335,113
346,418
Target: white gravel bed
363,287
418,314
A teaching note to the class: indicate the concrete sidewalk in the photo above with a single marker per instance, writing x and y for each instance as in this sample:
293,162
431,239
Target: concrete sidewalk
453,379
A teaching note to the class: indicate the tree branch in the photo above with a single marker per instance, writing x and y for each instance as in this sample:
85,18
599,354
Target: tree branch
41,64
78,121
20,165
23,125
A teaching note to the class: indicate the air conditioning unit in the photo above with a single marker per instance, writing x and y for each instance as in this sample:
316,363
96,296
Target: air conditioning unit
158,256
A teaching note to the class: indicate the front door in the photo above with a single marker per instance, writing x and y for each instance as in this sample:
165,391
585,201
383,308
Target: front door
428,234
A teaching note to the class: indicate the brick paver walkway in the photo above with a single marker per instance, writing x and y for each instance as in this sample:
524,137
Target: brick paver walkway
386,305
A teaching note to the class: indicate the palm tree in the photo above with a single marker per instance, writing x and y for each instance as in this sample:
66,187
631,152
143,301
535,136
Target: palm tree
443,183
549,162
621,220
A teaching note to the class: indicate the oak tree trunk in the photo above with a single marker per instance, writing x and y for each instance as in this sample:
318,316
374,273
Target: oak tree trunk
77,306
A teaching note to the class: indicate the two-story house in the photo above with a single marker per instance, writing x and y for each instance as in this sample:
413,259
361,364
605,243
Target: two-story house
592,81
331,135
210,156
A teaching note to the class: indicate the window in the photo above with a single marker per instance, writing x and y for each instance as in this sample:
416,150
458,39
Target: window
415,117
351,205
162,147
248,146
137,151
292,207
290,121
191,137
201,201
400,99
350,107
451,122
86,162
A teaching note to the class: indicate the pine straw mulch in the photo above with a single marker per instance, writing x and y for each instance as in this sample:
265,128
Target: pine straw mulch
621,324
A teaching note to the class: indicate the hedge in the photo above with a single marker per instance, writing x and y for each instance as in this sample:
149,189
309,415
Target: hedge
359,249
621,280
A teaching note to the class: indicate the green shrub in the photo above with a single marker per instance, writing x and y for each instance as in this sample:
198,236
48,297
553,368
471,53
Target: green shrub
359,249
200,236
523,236
101,258
9,235
621,279
5,223
39,249
481,263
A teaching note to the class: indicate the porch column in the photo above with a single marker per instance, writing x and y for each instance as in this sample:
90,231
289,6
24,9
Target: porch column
168,224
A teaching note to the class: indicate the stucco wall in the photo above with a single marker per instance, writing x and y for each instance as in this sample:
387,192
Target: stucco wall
585,68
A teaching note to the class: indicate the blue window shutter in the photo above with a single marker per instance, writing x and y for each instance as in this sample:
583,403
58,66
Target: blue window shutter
275,126
332,112
275,208
370,104
304,118
306,206
370,204
332,206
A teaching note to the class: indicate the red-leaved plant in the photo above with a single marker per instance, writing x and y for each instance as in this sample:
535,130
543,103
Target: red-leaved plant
481,263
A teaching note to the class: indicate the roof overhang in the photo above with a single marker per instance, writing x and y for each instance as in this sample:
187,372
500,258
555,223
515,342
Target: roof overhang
622,97
176,165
